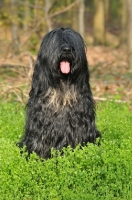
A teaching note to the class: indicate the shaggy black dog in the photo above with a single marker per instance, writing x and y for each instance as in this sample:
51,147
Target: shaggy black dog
60,109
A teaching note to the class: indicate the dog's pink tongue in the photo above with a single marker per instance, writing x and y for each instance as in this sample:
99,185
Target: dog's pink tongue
65,67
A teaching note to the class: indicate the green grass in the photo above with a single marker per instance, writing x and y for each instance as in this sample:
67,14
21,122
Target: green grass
96,172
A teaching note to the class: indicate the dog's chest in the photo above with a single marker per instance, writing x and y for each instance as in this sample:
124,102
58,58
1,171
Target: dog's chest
64,120
62,109
60,99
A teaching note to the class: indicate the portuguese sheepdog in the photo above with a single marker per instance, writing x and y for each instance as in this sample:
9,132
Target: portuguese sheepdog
60,111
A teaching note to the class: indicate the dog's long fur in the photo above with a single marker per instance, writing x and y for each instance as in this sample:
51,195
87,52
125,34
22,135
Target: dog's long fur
60,109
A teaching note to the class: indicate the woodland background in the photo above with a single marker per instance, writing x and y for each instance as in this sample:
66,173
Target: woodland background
106,26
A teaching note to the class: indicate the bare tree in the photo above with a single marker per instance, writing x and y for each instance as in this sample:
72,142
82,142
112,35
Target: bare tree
1,3
99,22
26,15
129,8
81,18
48,5
14,26
124,20
107,6
75,17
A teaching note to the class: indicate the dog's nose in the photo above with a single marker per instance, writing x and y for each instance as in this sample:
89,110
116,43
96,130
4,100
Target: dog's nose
66,49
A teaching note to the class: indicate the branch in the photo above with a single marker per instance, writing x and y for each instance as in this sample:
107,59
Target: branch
33,31
30,5
16,91
113,100
51,16
64,10
12,65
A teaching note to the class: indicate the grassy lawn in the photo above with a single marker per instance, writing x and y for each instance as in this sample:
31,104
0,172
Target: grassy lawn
92,173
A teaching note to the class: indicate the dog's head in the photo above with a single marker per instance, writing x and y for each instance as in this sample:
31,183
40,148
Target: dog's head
63,52
61,59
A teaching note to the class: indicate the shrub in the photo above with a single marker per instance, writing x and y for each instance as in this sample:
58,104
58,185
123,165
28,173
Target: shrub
89,173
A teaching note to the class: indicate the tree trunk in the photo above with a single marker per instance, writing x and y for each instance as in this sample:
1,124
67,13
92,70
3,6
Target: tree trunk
48,5
26,16
124,20
75,17
14,26
81,18
107,5
36,2
129,6
69,13
99,22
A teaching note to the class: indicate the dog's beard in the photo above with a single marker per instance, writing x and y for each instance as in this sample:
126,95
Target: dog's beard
60,98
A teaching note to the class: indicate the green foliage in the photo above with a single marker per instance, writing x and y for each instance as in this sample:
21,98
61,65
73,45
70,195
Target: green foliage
33,43
115,10
91,173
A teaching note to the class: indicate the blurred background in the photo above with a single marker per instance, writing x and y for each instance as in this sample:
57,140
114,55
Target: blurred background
105,25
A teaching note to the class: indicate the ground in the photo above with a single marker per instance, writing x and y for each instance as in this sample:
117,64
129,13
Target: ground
110,74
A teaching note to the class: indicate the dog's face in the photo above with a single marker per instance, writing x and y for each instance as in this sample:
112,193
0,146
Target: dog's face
63,51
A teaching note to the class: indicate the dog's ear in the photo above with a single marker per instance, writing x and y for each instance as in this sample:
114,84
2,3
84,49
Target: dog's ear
41,78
